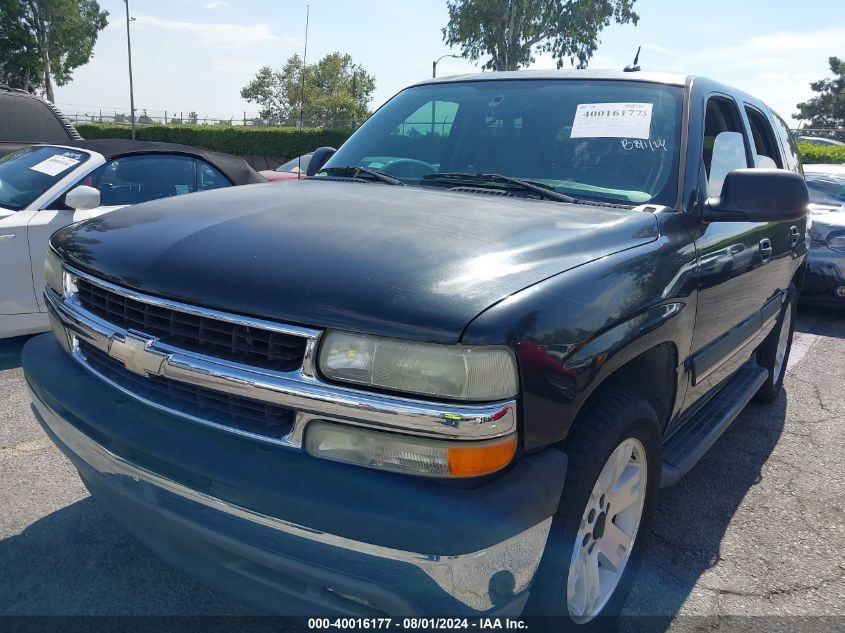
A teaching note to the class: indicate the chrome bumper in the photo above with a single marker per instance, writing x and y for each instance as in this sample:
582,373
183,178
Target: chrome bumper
477,580
300,390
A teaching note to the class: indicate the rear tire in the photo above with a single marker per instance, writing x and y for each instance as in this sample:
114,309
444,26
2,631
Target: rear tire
609,497
773,353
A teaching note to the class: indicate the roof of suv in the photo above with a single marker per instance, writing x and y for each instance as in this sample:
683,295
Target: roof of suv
653,77
27,118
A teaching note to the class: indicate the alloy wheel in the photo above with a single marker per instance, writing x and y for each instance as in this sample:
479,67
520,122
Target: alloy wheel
607,531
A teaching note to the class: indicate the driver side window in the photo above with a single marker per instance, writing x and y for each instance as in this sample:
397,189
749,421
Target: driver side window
135,179
724,143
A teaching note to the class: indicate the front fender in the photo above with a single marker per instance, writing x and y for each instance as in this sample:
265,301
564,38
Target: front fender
571,332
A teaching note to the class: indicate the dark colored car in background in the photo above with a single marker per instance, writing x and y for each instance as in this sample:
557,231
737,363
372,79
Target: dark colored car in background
26,119
449,373
825,281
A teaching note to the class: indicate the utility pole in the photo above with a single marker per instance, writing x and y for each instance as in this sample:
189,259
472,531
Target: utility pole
131,90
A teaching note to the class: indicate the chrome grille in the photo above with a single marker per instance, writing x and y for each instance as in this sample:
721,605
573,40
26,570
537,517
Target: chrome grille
213,337
245,414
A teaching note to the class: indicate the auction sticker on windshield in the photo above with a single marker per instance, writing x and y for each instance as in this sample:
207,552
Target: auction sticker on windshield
55,165
612,120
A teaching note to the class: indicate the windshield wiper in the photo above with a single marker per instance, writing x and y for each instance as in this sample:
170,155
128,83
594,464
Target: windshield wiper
540,188
354,171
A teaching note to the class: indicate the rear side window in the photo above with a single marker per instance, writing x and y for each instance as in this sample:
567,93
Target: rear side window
787,141
764,138
136,179
209,177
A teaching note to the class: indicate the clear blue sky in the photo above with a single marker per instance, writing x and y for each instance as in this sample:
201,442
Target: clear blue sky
197,54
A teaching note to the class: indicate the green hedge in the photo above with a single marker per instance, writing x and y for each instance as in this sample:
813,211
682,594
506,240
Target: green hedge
279,142
821,153
284,143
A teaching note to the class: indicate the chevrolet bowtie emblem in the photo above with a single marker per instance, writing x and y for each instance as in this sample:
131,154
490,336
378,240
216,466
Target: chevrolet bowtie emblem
135,354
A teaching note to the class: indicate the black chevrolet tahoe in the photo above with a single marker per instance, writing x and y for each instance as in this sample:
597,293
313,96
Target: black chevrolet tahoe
447,373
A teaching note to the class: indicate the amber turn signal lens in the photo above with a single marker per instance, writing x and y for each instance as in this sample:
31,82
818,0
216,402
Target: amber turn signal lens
479,460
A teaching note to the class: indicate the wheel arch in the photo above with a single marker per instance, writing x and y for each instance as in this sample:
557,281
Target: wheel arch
651,373
798,276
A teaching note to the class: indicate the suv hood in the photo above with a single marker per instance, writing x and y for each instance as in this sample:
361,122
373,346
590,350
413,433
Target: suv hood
395,261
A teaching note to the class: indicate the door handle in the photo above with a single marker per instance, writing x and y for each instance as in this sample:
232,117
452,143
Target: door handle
794,235
765,249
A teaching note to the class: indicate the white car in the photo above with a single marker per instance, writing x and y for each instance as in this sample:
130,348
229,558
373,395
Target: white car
820,140
46,187
824,168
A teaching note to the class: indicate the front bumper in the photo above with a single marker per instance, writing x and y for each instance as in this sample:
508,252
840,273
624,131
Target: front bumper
288,532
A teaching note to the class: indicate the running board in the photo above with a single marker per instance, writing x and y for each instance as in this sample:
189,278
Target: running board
683,450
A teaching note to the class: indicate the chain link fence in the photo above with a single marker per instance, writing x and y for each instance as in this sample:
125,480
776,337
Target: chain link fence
181,117
144,116
831,132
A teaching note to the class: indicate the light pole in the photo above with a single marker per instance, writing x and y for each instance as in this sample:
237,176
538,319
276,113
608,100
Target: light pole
433,76
434,64
129,50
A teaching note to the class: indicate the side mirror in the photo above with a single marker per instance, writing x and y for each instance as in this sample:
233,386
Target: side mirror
319,158
83,198
759,195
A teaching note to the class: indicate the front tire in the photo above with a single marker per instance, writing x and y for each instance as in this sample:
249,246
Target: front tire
600,529
773,353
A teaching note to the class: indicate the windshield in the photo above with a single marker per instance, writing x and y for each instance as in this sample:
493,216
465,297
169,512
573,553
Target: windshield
614,141
27,174
827,189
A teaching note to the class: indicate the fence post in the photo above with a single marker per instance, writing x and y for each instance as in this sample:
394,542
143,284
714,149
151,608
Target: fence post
166,120
181,120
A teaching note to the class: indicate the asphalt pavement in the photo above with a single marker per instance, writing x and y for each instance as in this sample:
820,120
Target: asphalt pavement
756,529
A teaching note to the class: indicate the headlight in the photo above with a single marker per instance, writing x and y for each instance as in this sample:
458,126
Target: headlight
836,240
454,371
406,454
53,272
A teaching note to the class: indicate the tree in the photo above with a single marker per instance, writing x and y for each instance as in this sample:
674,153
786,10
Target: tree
827,110
19,57
44,41
336,90
511,32
193,117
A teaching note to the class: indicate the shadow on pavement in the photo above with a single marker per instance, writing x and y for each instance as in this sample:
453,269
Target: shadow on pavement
693,516
822,320
80,561
10,351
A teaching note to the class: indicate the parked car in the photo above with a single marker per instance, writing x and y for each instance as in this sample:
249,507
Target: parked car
825,282
46,187
26,119
825,169
820,140
292,170
449,373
